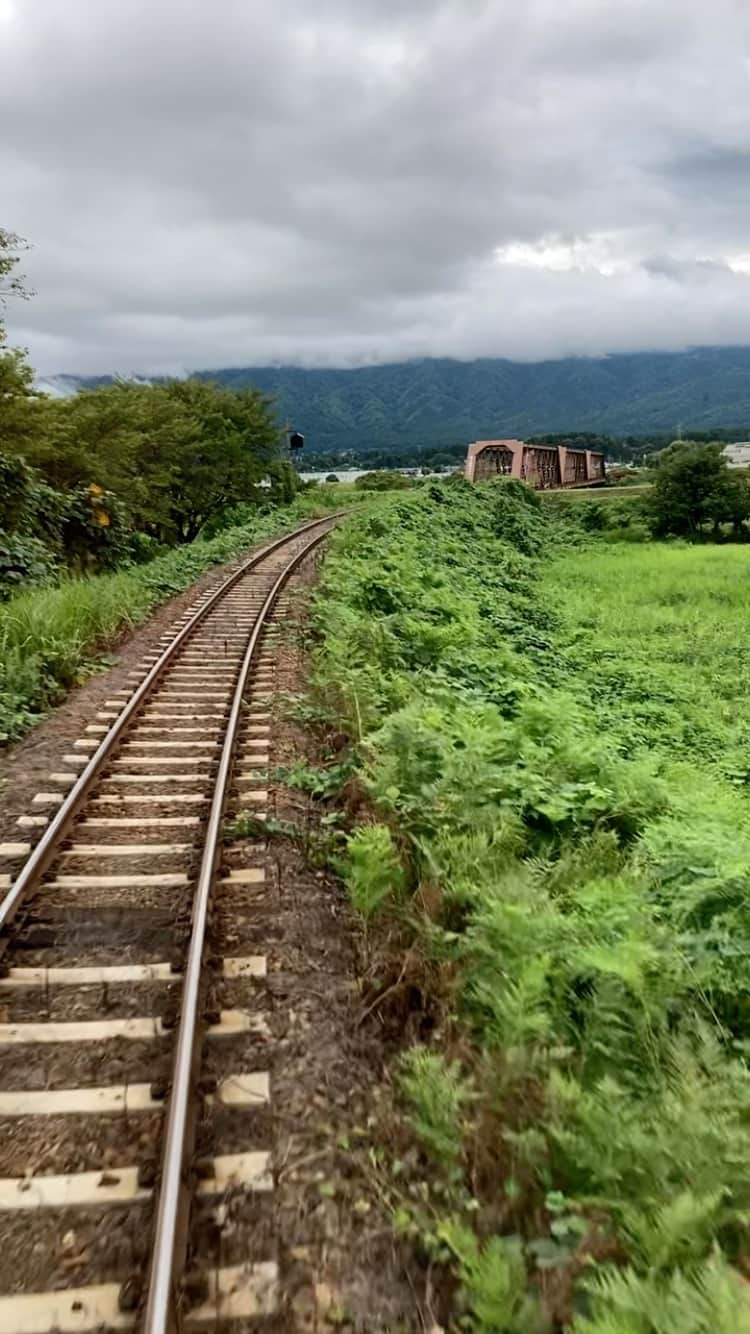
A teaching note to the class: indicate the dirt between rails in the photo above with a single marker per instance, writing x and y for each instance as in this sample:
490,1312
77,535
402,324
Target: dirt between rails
26,765
340,1265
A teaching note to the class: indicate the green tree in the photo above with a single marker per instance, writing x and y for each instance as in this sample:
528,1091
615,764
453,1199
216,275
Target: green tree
23,412
93,436
212,450
20,417
694,488
176,452
11,283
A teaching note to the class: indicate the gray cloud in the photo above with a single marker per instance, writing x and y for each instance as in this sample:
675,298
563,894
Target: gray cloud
331,183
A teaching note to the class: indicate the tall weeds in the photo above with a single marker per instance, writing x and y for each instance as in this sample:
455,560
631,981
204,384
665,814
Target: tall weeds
581,879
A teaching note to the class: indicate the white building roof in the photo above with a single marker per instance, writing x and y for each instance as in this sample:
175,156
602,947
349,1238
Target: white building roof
738,454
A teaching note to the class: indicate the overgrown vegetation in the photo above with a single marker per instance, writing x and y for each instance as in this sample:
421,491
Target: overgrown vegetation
554,843
120,471
383,480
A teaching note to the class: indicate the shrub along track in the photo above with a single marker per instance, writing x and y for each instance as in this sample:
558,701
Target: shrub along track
115,969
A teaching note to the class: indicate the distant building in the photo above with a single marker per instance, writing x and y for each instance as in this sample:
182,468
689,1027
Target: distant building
737,455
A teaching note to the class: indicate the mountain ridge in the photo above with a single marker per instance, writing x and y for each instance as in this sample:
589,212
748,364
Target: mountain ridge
441,401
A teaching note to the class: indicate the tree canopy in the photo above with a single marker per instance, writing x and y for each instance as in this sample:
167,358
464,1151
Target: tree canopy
694,487
175,452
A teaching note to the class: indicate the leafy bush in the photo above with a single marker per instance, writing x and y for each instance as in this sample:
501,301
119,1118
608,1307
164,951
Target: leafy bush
45,514
95,532
383,480
84,529
142,547
23,560
15,485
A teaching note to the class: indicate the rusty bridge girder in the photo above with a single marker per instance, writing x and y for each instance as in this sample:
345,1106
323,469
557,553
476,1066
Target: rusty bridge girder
544,467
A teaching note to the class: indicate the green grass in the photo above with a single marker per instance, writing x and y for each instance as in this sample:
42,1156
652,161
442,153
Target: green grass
52,638
661,636
550,730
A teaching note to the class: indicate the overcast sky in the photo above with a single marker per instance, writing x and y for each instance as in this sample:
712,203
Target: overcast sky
334,182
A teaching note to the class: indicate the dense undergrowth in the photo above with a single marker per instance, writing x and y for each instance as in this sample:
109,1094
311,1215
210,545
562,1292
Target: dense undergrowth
556,851
53,637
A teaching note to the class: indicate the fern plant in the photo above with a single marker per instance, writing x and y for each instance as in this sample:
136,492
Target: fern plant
373,872
494,1284
711,1299
436,1095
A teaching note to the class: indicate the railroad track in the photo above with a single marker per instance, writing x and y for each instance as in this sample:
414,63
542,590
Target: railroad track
134,1094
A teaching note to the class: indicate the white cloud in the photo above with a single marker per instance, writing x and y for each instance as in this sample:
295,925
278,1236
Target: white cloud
329,183
603,253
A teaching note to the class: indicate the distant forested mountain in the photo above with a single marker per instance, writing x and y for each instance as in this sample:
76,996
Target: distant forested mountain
440,402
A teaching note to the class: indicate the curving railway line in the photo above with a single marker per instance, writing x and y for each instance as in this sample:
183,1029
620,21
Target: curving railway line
134,1093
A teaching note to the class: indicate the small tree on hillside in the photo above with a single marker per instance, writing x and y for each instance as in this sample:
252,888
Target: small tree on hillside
693,488
20,417
11,284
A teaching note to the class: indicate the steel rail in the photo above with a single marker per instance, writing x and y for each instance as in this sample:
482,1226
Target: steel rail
162,1282
38,862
